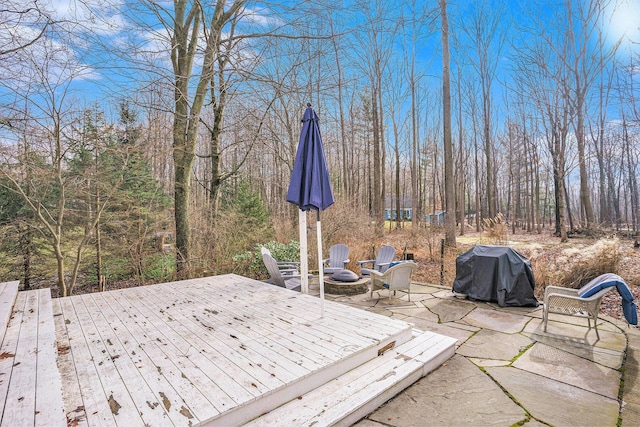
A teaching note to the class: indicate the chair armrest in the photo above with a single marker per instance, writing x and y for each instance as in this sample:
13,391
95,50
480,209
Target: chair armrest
290,272
384,264
284,267
553,295
376,273
559,290
366,261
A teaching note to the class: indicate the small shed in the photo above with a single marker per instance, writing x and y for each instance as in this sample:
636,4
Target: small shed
496,274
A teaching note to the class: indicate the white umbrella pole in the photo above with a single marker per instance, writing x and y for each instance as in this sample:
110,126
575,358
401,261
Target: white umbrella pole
320,266
304,251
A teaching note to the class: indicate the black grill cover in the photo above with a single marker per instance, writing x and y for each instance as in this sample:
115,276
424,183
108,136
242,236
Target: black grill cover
497,274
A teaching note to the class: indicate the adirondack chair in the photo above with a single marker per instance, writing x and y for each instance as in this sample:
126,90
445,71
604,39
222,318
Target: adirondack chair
394,278
282,265
338,259
380,264
288,278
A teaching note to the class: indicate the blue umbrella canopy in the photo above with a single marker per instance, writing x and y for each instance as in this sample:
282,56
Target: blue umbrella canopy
310,186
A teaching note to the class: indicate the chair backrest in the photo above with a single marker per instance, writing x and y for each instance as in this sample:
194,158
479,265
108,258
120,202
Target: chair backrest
338,254
399,276
385,256
272,268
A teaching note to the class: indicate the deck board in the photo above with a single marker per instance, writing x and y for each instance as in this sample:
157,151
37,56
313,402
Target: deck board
348,398
8,353
194,366
154,363
30,385
49,407
71,393
235,365
8,294
223,348
219,346
336,341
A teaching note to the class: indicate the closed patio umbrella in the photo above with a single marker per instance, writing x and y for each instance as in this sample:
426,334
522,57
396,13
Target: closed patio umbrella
310,186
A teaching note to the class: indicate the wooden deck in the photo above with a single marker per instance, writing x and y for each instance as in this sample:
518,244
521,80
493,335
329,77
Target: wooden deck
30,386
220,350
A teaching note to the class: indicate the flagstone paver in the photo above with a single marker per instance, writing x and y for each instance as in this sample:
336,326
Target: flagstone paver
460,395
488,344
554,402
422,288
630,415
554,363
414,311
496,320
534,423
415,298
449,310
608,351
572,333
444,329
488,362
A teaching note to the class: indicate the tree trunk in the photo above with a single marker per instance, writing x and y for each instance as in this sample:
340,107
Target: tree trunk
449,219
185,38
585,199
376,190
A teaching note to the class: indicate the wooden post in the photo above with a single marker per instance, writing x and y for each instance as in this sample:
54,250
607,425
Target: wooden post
441,262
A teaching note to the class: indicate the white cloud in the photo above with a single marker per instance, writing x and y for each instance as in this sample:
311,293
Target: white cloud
102,17
260,16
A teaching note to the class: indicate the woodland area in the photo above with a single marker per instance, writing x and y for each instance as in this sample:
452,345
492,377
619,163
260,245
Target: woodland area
145,141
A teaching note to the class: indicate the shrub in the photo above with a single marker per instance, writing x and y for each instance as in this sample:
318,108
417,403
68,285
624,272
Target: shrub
496,229
574,266
250,263
599,258
159,267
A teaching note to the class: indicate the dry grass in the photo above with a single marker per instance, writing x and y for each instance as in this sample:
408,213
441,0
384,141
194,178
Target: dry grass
496,229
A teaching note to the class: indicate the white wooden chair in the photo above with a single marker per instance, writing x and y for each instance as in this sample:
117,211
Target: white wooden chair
380,264
338,259
394,278
566,301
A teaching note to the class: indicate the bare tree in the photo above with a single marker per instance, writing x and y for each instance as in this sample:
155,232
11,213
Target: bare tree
486,30
584,56
192,28
21,25
449,220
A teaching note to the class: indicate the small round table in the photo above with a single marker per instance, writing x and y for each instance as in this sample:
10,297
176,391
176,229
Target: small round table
336,287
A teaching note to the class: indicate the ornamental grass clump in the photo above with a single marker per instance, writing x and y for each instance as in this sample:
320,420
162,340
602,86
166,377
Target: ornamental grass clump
586,264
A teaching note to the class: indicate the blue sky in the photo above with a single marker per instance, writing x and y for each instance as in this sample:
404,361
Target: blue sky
105,23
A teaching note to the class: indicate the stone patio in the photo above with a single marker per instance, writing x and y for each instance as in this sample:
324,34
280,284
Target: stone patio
508,371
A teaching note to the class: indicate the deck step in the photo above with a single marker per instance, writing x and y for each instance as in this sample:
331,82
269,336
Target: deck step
350,397
8,294
30,384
